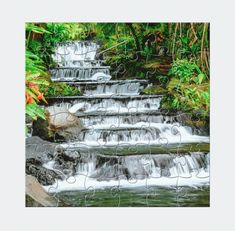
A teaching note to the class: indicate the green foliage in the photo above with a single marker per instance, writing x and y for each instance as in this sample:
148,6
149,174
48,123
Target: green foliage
155,90
190,41
59,89
188,89
34,65
34,111
31,27
35,74
42,38
140,48
187,72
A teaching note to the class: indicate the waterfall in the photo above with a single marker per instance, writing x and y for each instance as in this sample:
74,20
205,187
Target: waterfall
139,133
117,116
97,171
73,74
76,61
73,54
112,104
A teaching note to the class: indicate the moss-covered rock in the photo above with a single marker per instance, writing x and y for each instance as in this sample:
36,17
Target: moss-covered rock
59,89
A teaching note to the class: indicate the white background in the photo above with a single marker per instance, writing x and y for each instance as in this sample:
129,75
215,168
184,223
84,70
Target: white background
14,215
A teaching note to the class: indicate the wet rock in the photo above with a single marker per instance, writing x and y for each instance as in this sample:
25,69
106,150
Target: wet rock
43,175
60,125
66,161
39,152
198,126
39,149
41,129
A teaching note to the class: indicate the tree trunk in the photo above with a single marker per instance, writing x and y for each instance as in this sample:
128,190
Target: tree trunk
137,43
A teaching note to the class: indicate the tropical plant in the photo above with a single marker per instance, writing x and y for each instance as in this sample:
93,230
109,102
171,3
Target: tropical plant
35,74
59,89
188,88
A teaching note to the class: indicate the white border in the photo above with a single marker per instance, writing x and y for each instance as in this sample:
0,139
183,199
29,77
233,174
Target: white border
14,215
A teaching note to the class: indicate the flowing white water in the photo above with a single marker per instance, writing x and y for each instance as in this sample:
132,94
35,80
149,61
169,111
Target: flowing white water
76,61
140,171
114,105
114,114
77,73
144,133
128,119
129,88
75,54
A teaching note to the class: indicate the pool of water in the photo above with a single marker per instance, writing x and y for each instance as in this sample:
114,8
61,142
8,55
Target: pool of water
138,197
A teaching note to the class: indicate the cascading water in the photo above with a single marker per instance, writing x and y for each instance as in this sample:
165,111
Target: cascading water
75,53
100,171
76,62
111,104
115,114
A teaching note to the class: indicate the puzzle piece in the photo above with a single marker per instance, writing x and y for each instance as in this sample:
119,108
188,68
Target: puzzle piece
130,151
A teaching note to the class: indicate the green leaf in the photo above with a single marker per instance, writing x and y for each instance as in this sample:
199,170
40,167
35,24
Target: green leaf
34,111
200,77
36,29
184,40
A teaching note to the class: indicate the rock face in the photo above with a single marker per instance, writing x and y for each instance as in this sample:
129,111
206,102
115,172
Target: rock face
39,149
66,162
60,124
39,152
43,175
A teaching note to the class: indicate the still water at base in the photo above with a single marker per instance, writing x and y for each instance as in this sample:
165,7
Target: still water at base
139,197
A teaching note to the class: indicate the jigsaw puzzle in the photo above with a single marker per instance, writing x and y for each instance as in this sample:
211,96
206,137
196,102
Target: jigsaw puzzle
115,143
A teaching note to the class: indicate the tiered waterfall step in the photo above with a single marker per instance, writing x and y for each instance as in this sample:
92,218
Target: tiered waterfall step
123,130
145,133
111,87
77,73
110,104
104,118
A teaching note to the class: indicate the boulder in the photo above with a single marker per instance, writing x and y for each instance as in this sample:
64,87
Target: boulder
60,125
60,118
43,175
66,162
38,195
39,149
39,152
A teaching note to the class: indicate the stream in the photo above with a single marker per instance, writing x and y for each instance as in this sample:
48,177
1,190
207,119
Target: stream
131,152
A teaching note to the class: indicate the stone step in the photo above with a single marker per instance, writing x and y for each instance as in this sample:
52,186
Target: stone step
129,114
109,82
74,68
91,119
156,133
111,104
142,149
90,98
111,88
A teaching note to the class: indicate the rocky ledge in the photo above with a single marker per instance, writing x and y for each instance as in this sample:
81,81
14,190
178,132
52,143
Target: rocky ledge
39,152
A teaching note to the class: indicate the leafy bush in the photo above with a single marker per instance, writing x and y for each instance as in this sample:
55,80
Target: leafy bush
35,75
188,88
59,89
41,39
